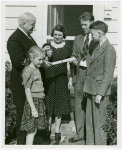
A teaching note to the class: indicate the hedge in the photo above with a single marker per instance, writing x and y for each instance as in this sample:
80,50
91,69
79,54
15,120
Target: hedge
10,108
111,122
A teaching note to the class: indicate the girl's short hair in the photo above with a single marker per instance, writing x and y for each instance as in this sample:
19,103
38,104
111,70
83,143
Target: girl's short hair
60,28
34,52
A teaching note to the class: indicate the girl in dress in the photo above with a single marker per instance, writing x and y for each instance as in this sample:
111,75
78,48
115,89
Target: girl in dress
34,110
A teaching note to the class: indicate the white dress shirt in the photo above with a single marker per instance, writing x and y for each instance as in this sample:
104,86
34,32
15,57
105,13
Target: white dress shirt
26,34
102,42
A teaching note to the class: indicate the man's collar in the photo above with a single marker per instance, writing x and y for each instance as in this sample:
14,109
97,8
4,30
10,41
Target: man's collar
23,31
86,34
102,42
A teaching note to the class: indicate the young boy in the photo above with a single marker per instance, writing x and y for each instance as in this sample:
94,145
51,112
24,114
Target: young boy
100,68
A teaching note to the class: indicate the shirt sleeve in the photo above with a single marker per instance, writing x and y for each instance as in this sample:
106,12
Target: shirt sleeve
27,78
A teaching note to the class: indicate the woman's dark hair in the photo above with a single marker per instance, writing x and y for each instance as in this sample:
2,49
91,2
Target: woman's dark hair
86,16
60,28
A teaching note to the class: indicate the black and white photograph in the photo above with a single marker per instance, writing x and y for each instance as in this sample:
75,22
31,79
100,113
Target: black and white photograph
60,73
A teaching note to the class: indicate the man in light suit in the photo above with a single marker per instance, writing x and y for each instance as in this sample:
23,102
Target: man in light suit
82,44
100,68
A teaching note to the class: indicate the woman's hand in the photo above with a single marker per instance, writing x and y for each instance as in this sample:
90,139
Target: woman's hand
49,53
34,113
46,64
74,61
46,48
70,84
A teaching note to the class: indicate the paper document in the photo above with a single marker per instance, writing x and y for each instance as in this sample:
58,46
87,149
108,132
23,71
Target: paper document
63,61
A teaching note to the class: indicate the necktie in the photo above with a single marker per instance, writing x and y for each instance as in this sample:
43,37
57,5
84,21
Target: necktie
85,48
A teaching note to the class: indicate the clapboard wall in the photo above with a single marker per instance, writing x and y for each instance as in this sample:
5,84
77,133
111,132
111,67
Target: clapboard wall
100,12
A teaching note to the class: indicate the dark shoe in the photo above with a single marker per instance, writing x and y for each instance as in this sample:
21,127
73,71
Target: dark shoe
48,134
47,137
57,137
72,140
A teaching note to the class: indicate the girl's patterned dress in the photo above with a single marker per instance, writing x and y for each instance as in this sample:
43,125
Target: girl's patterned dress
32,79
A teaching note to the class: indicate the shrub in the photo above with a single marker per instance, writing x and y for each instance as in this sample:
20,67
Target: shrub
111,122
10,108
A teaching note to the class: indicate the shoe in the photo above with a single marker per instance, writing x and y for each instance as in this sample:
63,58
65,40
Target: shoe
57,137
73,140
47,137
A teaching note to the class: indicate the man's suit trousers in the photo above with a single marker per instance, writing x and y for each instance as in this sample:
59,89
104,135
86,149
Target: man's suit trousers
19,99
80,103
96,115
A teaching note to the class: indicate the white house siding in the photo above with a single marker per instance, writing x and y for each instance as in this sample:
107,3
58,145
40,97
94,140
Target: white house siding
113,26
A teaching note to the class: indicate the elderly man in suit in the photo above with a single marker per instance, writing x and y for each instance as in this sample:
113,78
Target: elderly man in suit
101,64
82,44
18,46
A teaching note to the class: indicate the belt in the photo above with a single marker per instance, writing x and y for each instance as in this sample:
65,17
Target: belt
82,67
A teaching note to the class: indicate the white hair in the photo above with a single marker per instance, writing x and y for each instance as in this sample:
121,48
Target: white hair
24,18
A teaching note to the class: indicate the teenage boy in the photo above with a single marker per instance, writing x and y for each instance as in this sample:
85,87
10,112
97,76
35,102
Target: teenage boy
100,68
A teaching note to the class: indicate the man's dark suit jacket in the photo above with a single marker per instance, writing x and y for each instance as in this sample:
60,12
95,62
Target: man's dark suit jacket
18,46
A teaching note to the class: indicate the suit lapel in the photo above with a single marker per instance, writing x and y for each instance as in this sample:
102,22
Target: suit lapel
22,34
32,40
25,37
99,51
92,47
81,41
